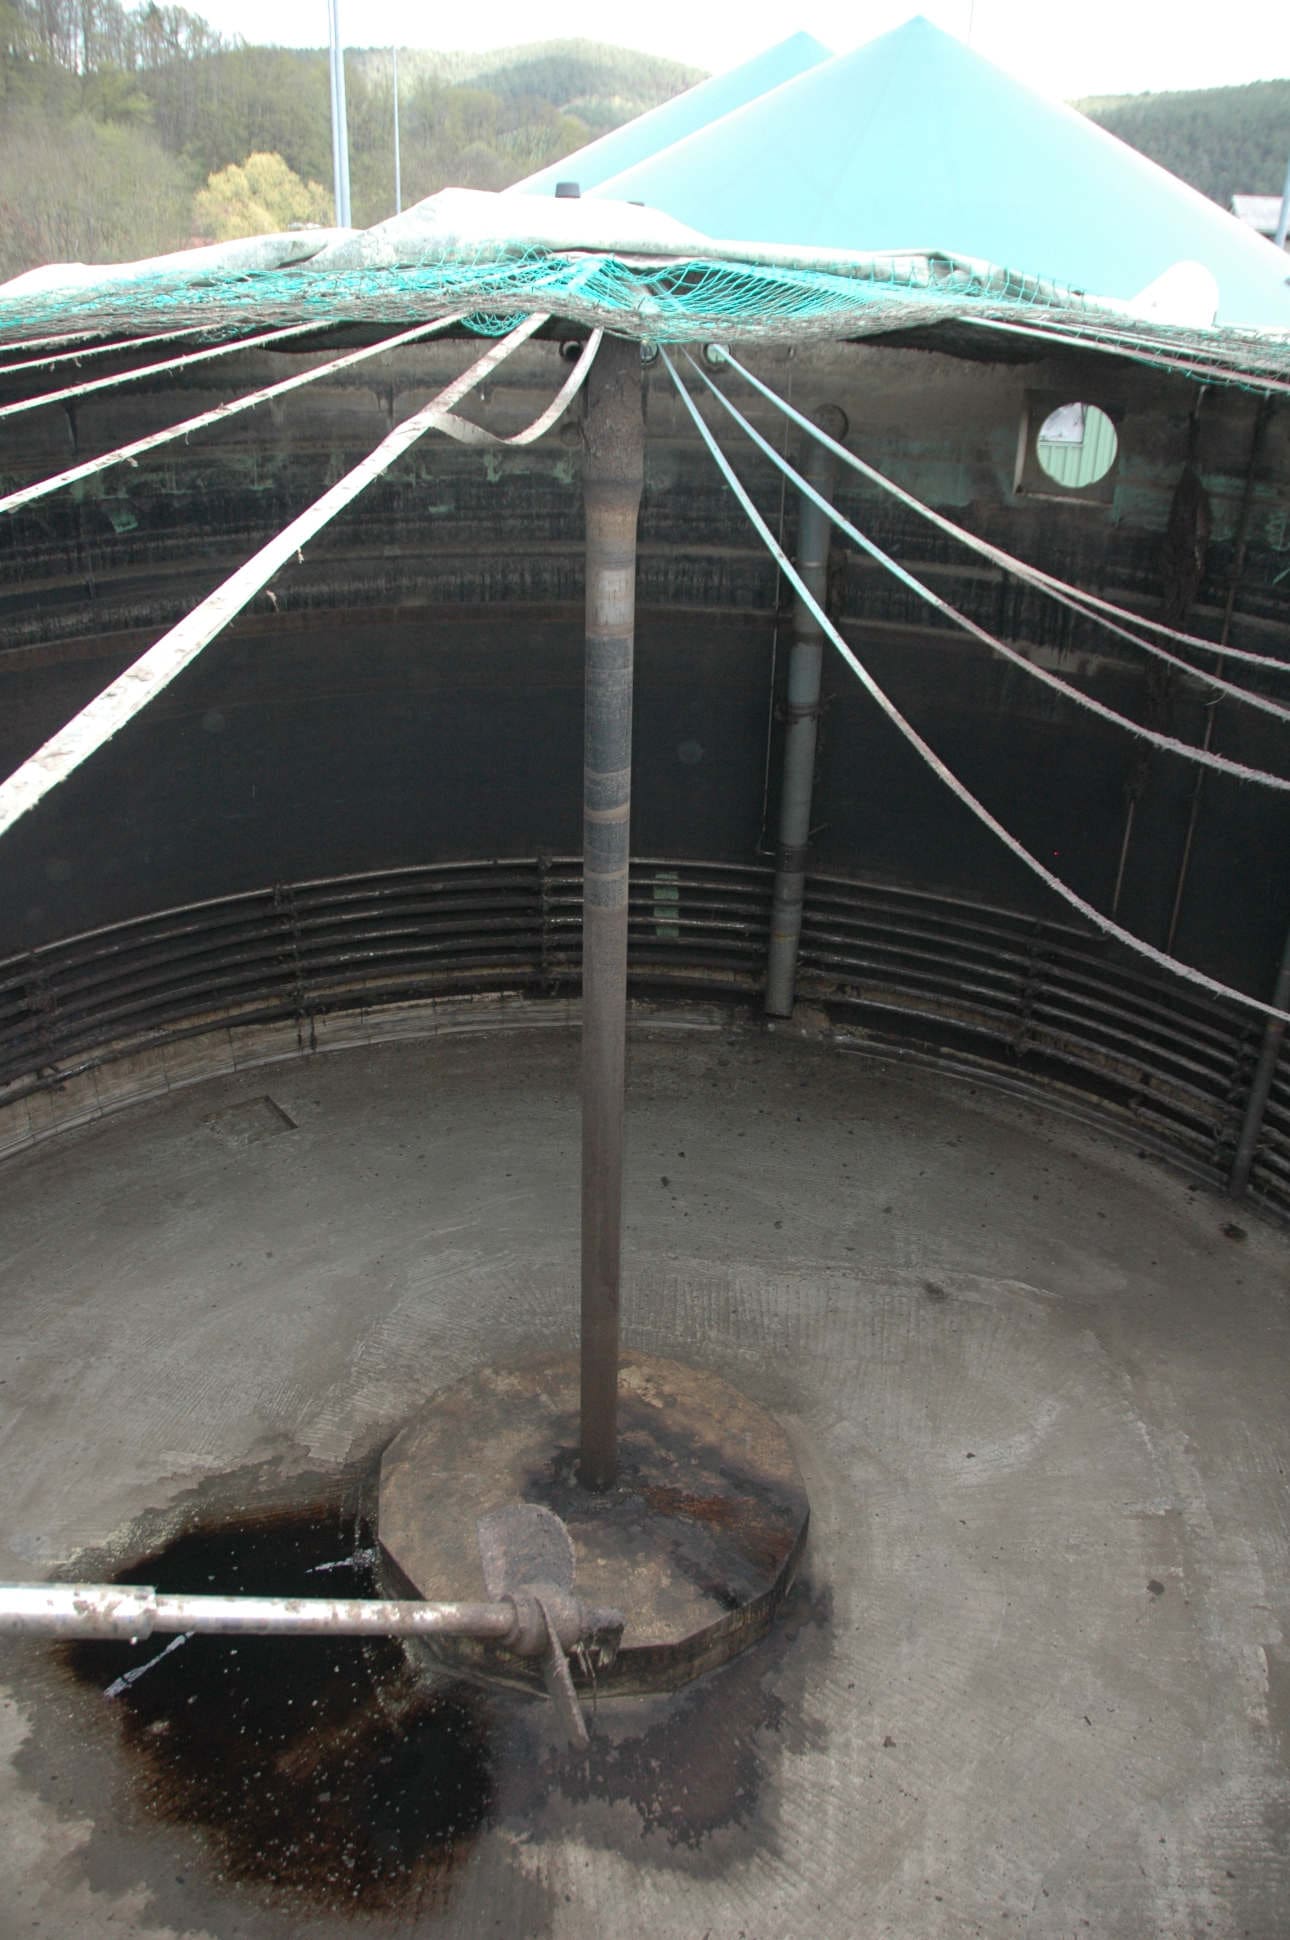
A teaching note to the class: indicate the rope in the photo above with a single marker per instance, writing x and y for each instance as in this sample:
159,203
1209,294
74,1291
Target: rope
1123,346
1230,353
155,669
96,350
944,774
1034,573
1059,590
127,454
1202,756
47,343
474,434
1193,640
154,370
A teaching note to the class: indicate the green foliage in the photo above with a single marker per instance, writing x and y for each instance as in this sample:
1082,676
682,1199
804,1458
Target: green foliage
86,36
110,114
485,120
555,69
1224,141
86,191
210,111
258,198
561,71
17,34
240,101
114,94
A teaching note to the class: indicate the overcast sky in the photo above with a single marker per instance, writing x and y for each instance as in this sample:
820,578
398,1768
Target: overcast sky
1088,47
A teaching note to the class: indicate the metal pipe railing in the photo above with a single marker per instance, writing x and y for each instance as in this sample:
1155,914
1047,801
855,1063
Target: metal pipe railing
135,1612
1256,1104
528,1563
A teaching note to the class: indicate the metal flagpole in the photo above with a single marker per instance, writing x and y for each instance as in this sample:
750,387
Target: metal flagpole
339,120
398,159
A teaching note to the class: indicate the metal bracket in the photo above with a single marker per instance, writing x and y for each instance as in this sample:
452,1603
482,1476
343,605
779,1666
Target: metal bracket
528,1558
559,1684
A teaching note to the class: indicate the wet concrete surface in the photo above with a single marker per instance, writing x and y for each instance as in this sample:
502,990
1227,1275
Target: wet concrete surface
699,1538
324,1771
1033,1681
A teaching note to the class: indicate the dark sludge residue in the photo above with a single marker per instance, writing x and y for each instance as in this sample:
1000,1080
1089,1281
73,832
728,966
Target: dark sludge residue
324,1769
693,1765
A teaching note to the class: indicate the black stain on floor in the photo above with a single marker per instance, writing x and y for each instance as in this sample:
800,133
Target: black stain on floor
685,1777
329,1777
322,1768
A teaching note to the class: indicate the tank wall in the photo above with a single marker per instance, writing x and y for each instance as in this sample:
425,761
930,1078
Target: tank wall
407,695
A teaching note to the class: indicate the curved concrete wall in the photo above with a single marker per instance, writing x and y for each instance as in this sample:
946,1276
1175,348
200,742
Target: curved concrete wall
408,697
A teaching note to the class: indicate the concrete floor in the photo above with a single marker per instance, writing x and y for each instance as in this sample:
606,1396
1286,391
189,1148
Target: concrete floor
1035,1681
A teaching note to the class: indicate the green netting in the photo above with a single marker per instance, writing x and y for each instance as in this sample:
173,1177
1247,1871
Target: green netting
660,300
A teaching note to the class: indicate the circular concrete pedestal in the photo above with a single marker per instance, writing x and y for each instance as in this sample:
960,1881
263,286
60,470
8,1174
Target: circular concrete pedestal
696,1544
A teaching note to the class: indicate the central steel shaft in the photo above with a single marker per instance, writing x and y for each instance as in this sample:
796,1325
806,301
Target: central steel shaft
613,472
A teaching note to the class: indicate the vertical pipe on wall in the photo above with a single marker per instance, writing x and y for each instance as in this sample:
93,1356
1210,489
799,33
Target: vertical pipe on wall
805,661
613,474
1240,540
1264,1072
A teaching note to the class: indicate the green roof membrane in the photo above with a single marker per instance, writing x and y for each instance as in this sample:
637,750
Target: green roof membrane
673,120
915,142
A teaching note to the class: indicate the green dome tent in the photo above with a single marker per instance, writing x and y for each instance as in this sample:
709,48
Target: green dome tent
914,142
673,120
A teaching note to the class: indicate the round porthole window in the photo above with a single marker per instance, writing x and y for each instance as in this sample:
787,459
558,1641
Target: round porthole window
1076,445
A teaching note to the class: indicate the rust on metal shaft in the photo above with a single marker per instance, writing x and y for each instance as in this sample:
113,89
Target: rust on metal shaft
613,470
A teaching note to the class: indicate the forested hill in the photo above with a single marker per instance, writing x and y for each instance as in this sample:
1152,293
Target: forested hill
1224,141
602,84
113,119
130,129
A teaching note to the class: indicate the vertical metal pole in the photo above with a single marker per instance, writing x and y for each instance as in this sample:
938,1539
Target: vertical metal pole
398,158
332,52
1283,220
339,120
347,218
814,530
1262,419
613,472
1261,1085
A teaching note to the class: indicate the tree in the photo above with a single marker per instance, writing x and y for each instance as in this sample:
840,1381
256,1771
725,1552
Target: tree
1224,141
243,101
256,198
79,191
